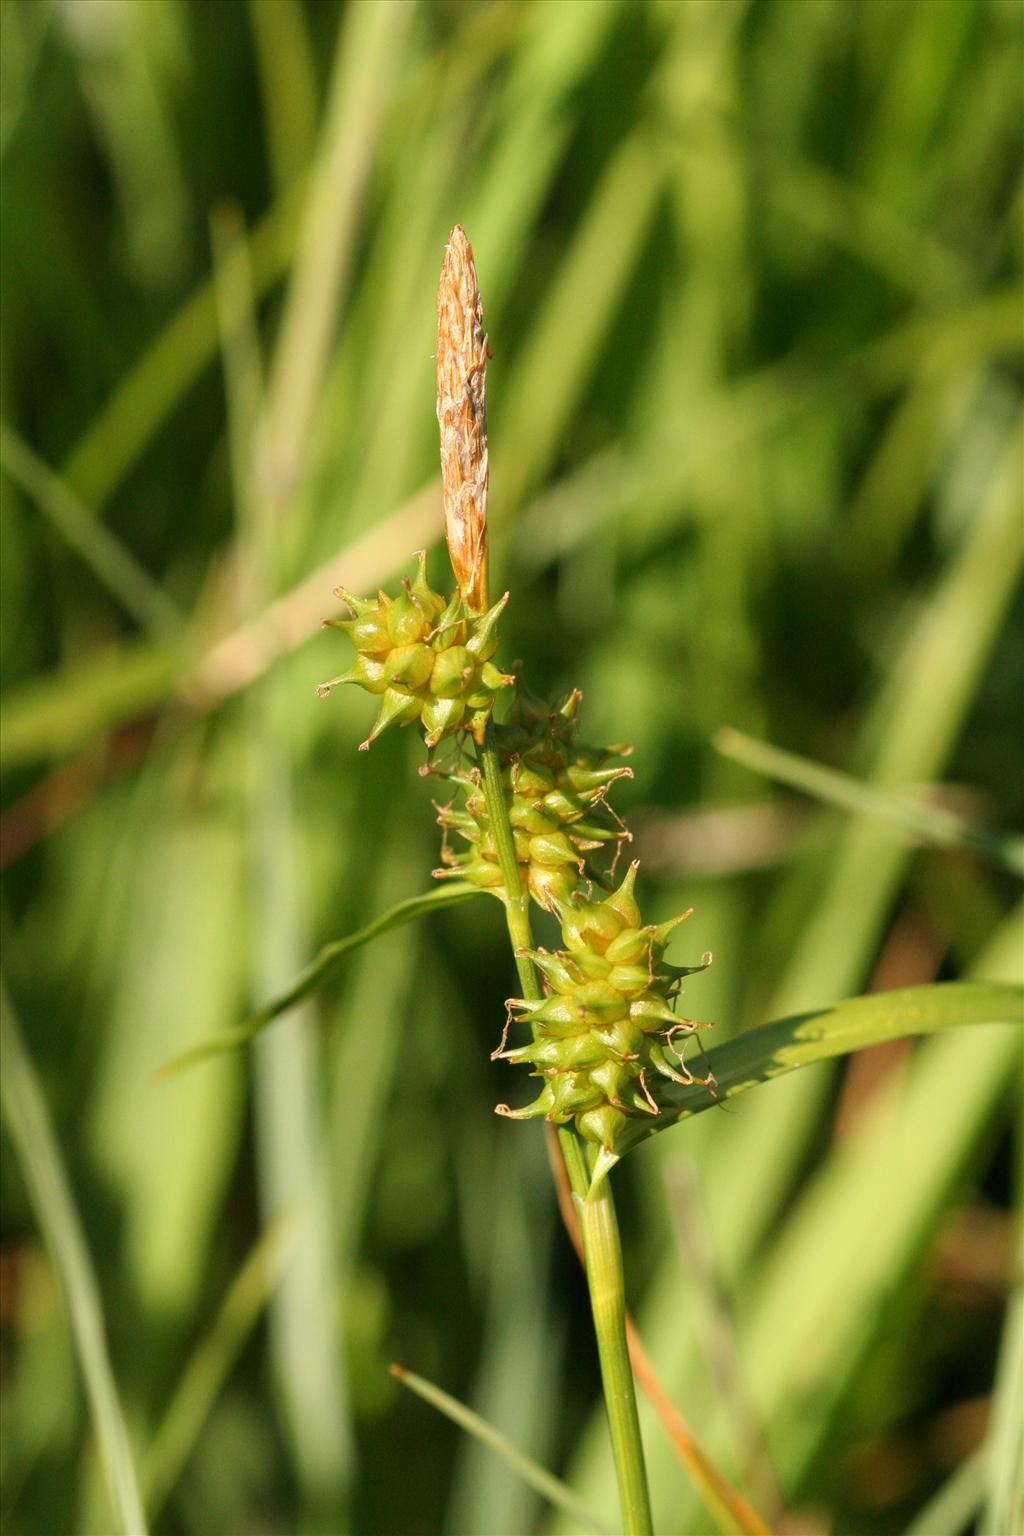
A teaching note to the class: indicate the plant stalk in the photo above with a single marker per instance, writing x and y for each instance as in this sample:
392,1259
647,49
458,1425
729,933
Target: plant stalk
517,901
603,1253
601,1247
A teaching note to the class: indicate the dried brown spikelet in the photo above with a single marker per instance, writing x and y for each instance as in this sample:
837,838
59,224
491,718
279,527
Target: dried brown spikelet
462,354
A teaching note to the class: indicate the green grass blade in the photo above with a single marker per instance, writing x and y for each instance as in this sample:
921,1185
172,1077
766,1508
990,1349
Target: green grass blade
559,47
60,711
106,557
211,1362
364,1067
860,1233
319,972
293,1167
520,1363
932,823
715,1321
641,488
57,712
287,72
910,730
544,1482
1004,1491
955,1504
368,53
833,206
860,1229
1004,1502
25,32
759,1055
563,344
39,1155
139,405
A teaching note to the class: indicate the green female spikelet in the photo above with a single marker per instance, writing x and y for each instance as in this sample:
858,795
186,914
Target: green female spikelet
555,788
605,1033
427,660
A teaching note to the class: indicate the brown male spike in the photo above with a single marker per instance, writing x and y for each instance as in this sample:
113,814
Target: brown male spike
462,353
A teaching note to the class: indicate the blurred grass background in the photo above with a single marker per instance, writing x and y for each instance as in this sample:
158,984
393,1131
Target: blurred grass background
751,278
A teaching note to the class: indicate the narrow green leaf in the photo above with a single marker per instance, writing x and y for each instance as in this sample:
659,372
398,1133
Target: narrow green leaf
771,1051
146,395
521,1361
956,1503
209,1365
105,555
369,55
858,1237
46,1179
1004,1469
58,712
292,1164
932,823
288,85
546,1484
573,316
643,490
318,972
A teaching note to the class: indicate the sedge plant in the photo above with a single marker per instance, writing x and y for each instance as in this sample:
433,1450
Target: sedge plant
529,821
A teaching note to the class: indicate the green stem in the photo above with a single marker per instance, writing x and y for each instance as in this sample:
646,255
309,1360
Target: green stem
603,1253
596,1211
517,901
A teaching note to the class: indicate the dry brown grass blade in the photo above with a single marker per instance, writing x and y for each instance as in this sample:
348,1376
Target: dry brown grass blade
69,788
227,667
242,656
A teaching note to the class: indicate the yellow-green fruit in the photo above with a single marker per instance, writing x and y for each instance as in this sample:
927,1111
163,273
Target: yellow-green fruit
555,788
604,1034
430,660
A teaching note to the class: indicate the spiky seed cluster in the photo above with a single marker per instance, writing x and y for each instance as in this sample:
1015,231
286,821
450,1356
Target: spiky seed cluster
555,788
428,660
462,354
605,1033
